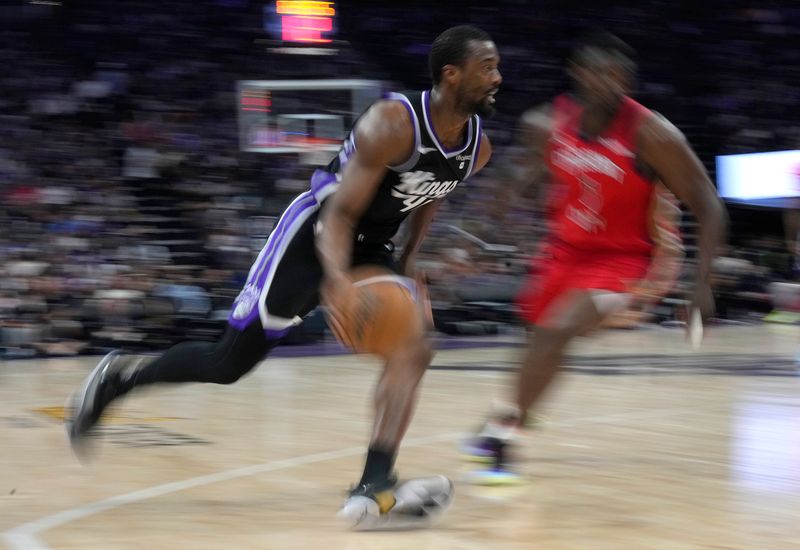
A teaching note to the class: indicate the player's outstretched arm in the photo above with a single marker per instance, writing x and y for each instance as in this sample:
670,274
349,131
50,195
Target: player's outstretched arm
664,149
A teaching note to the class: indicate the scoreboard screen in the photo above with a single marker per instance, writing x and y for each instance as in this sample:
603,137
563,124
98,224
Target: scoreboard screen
763,179
301,22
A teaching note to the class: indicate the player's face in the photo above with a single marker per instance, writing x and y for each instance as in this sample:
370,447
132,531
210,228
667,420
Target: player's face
602,80
479,79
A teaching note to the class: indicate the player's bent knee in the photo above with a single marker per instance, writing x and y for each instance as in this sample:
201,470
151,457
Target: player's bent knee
423,355
228,376
413,358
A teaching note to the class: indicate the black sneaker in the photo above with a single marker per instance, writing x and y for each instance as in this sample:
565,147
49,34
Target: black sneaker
87,405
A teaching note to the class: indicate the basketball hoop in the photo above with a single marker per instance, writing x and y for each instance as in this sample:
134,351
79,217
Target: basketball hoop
308,117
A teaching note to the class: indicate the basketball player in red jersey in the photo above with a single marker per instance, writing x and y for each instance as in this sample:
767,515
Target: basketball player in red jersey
602,153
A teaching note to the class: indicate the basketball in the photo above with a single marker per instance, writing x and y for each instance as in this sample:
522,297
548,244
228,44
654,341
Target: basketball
380,316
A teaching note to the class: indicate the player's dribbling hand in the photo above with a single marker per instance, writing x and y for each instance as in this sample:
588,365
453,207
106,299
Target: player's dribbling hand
335,291
643,296
701,307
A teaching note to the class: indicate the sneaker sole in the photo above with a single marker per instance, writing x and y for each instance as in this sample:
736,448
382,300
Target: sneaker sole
477,459
494,478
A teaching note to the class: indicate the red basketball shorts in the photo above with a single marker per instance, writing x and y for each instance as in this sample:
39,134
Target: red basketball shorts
563,271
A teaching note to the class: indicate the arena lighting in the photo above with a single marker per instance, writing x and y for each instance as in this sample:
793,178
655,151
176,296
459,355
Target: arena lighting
305,22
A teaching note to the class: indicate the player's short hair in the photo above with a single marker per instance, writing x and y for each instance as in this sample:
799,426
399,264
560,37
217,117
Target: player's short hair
603,41
452,47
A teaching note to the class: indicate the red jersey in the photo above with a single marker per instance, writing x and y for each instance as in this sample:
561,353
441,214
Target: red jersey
601,203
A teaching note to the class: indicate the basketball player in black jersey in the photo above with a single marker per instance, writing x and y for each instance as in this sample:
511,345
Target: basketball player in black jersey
403,156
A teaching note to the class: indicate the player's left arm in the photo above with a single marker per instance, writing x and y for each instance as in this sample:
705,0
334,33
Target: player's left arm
420,220
418,225
668,251
665,150
665,265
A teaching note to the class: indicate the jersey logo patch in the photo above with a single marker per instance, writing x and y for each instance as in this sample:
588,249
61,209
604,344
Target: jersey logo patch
578,161
419,188
616,147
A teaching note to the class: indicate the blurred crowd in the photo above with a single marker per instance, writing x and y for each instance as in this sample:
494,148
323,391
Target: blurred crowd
130,216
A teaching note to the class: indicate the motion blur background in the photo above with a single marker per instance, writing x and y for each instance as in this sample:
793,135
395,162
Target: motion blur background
130,215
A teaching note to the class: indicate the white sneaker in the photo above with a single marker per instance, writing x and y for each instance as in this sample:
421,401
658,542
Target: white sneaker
414,504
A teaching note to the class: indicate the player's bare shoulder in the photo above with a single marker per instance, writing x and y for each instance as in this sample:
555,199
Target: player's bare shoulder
657,130
385,118
386,127
660,143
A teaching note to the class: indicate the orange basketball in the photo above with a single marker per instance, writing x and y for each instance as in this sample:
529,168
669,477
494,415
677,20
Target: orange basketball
380,316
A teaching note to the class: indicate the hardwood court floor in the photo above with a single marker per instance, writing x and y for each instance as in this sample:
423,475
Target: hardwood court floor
647,446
